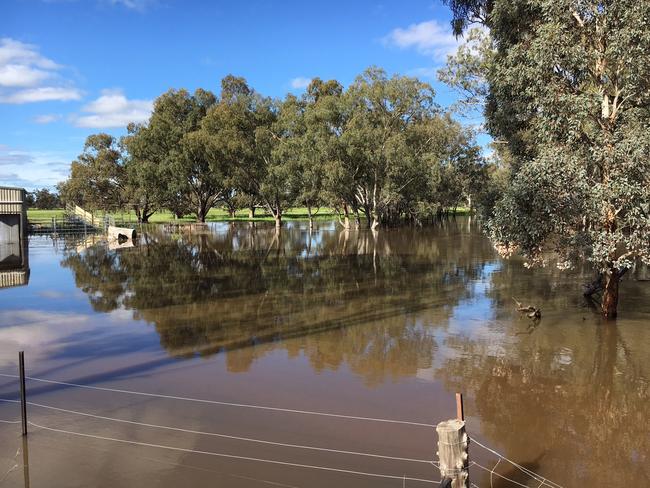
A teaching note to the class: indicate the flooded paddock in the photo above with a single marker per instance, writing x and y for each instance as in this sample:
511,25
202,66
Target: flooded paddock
213,325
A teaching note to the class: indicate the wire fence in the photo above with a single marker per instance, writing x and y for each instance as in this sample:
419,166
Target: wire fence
60,225
533,479
78,221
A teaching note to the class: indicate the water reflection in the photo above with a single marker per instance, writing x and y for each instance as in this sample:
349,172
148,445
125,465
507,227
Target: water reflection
405,310
14,263
571,395
244,286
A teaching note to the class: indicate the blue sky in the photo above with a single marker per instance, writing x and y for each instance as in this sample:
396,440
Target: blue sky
70,68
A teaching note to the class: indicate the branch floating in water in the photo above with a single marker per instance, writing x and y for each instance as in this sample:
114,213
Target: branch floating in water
530,311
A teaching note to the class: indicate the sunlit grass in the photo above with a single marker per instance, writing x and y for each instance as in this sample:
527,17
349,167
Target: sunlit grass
214,215
38,214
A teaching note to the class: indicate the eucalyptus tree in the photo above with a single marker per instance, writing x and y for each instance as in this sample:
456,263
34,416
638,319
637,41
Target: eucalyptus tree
254,134
312,143
97,177
569,94
170,160
232,123
381,109
203,167
43,199
327,115
466,72
146,181
275,145
453,171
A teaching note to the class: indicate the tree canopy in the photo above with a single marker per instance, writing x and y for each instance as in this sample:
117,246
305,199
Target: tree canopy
568,92
381,150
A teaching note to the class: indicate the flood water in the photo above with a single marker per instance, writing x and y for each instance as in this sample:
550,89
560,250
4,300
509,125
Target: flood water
385,325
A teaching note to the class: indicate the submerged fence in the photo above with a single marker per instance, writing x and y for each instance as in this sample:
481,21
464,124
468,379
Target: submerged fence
76,220
453,465
60,225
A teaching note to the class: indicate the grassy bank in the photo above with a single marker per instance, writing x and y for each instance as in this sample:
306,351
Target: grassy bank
214,215
37,214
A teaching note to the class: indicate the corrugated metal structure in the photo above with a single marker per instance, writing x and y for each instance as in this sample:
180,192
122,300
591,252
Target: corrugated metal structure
14,263
13,214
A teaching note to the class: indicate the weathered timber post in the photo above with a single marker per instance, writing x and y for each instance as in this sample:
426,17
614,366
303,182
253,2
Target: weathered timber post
453,453
23,395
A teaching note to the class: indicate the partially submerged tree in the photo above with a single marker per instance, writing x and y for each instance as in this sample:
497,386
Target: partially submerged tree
274,138
382,148
241,126
202,167
146,178
381,110
569,94
314,145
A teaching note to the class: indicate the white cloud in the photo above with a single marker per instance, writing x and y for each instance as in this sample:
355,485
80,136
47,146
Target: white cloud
300,82
113,109
46,118
12,51
430,38
26,76
42,94
19,75
32,169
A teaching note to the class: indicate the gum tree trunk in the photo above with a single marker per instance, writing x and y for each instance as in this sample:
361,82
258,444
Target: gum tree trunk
375,220
200,213
609,304
346,216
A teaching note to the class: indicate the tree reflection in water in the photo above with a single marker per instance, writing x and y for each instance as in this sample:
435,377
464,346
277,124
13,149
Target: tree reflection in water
571,393
252,286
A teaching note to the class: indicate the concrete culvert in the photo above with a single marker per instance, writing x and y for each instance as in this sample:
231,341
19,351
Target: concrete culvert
121,233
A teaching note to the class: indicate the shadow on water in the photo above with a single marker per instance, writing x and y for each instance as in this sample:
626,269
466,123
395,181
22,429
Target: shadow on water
92,380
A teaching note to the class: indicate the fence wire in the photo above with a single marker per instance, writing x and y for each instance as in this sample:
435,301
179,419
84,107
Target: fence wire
543,482
224,436
227,404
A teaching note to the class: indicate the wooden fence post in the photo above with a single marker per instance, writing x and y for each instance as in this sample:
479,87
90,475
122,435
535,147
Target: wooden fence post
453,453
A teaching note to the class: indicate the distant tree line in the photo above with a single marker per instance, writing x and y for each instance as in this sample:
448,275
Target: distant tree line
43,199
381,152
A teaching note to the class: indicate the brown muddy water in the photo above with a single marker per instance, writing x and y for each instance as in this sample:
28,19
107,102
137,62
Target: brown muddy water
385,325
